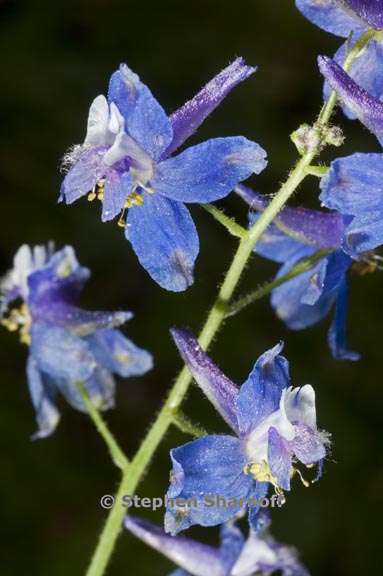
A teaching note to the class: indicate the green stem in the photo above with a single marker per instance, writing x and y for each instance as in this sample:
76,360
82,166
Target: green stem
139,464
302,266
317,171
214,321
116,452
187,426
229,223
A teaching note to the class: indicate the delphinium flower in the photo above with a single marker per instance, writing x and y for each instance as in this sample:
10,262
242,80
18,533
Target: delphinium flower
234,557
126,161
303,301
67,345
274,429
352,17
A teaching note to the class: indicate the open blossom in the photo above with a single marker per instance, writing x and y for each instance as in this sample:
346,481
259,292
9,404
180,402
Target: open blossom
126,162
66,344
274,428
303,301
234,557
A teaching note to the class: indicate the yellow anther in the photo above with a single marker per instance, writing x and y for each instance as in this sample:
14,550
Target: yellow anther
305,482
19,319
92,196
100,195
261,472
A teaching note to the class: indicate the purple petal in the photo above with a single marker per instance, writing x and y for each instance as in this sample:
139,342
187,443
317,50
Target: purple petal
367,108
210,170
371,11
366,70
305,226
194,557
232,542
190,116
221,391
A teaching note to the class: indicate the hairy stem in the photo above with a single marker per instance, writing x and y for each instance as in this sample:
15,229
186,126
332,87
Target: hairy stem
136,469
116,452
229,223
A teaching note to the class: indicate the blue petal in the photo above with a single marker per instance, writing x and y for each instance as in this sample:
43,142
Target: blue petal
366,70
165,240
308,446
195,557
353,186
117,188
212,465
221,391
81,322
210,170
118,354
60,354
100,387
279,458
145,119
306,299
260,395
232,542
337,338
83,175
257,517
330,16
367,108
187,119
43,396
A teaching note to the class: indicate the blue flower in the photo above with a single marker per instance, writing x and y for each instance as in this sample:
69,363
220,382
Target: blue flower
234,557
66,344
126,162
295,234
274,426
343,17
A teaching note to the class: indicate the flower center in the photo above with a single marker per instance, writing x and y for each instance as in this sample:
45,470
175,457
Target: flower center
19,319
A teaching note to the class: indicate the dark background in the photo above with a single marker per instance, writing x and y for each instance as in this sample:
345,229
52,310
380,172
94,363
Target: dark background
55,58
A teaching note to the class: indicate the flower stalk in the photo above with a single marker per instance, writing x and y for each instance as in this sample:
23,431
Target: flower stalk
116,452
219,311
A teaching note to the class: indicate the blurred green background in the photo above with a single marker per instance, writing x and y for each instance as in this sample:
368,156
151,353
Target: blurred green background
55,57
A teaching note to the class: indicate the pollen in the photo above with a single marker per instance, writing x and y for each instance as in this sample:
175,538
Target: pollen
19,319
261,472
134,199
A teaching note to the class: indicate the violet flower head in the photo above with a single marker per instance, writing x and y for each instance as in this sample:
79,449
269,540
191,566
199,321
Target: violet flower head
366,107
66,344
295,234
125,162
343,17
234,557
274,428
